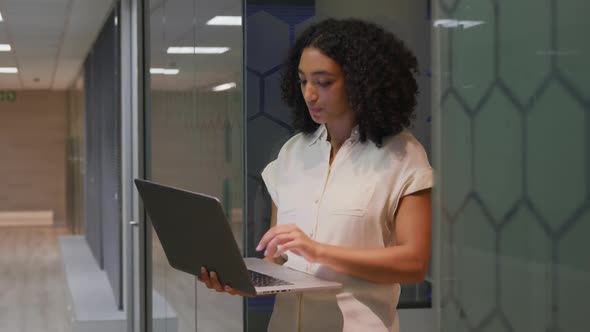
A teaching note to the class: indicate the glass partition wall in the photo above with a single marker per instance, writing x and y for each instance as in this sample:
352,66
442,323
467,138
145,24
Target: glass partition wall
194,131
512,123
510,145
208,131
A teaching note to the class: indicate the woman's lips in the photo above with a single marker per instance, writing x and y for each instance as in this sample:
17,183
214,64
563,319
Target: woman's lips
315,110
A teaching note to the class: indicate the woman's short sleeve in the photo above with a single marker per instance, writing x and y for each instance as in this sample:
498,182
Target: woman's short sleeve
420,179
269,176
416,174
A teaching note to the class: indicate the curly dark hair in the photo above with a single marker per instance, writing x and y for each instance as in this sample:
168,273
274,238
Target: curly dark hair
378,73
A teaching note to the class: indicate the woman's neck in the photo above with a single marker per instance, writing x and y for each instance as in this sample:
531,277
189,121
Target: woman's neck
338,133
338,137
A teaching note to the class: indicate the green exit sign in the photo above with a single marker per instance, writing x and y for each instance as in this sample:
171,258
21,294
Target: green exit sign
7,96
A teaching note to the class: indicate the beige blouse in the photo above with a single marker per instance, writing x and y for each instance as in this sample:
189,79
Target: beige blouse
350,203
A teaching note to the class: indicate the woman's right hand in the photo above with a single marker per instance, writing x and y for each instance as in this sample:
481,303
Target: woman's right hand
211,280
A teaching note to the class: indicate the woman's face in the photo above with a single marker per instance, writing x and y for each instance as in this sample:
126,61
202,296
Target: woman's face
322,86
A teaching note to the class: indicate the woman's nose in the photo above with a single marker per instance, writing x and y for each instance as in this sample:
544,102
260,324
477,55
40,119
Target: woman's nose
309,93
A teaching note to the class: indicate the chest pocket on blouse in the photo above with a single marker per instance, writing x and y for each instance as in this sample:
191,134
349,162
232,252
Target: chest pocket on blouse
351,198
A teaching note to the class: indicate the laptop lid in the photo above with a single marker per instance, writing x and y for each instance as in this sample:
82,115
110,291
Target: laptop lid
194,232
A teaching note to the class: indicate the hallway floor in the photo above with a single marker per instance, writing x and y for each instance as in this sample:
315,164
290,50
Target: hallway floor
33,286
32,281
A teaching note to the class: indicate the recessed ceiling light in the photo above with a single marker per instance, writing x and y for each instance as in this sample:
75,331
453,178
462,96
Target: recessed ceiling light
224,87
1,19
457,24
8,70
5,47
196,50
225,20
164,71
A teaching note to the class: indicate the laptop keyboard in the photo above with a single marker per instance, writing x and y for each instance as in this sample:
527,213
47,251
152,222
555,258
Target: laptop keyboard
263,280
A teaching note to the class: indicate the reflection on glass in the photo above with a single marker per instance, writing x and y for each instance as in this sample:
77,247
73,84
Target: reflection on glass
194,142
75,157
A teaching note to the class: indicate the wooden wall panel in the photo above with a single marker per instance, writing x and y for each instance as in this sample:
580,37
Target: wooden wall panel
32,153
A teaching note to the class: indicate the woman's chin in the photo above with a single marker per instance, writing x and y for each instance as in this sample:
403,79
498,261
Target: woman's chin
317,118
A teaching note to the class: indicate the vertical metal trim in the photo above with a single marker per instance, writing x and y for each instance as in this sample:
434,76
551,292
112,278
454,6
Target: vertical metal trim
127,157
436,147
244,156
141,91
132,86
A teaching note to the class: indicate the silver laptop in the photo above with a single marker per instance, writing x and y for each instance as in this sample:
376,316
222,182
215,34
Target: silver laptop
194,232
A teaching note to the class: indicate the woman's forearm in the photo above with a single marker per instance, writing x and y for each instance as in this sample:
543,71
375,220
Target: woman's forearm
383,265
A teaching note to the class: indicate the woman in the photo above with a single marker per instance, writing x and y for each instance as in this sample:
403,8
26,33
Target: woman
351,192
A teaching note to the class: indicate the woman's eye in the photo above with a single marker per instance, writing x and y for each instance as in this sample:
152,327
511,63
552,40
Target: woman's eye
321,84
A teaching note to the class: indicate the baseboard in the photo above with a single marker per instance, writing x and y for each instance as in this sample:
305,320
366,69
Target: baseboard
26,218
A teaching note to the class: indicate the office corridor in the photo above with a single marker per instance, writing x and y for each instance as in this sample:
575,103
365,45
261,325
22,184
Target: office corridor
32,281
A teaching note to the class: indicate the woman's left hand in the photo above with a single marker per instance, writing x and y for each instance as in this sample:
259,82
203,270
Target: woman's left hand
282,238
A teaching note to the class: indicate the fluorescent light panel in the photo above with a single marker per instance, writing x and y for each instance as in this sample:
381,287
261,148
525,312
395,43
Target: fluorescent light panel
8,70
196,50
5,47
225,20
164,71
224,87
1,19
446,23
